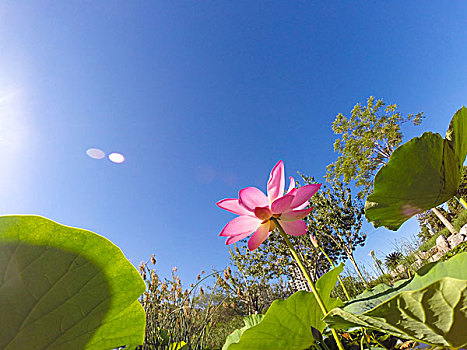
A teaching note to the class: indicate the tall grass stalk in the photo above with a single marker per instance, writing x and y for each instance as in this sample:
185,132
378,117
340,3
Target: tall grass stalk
174,314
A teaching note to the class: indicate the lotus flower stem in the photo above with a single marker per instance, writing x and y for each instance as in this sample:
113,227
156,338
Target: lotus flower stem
308,278
339,277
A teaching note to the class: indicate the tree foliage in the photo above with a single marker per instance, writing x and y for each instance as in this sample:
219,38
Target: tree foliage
338,217
429,225
463,187
393,259
367,139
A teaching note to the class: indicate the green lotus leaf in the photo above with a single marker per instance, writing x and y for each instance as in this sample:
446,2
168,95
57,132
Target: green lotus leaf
431,307
65,288
234,337
456,134
454,268
287,324
421,174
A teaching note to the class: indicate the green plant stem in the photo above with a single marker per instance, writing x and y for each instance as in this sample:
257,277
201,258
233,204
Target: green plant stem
324,346
361,343
462,202
377,342
366,340
308,278
339,277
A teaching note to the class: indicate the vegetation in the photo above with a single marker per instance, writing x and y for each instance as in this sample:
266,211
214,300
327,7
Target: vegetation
61,277
458,222
429,224
453,252
383,279
254,285
272,262
338,216
175,315
422,174
353,285
55,279
368,138
393,259
388,309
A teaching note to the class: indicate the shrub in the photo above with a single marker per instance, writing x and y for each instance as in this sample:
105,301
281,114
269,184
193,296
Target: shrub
386,279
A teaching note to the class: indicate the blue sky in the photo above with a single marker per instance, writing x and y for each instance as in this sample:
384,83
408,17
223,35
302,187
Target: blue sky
202,98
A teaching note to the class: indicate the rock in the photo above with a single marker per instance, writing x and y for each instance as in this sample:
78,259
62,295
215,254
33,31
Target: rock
455,240
418,263
422,255
432,251
442,244
436,257
463,230
399,270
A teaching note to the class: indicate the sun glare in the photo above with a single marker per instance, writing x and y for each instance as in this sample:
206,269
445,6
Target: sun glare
12,124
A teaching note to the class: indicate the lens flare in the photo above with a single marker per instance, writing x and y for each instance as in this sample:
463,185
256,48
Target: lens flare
95,153
116,158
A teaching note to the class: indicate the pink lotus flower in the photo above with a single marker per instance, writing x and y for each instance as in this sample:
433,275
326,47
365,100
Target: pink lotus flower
256,210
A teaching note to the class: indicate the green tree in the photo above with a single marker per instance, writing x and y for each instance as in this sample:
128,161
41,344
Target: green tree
255,280
367,139
454,204
338,216
393,260
454,208
429,225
